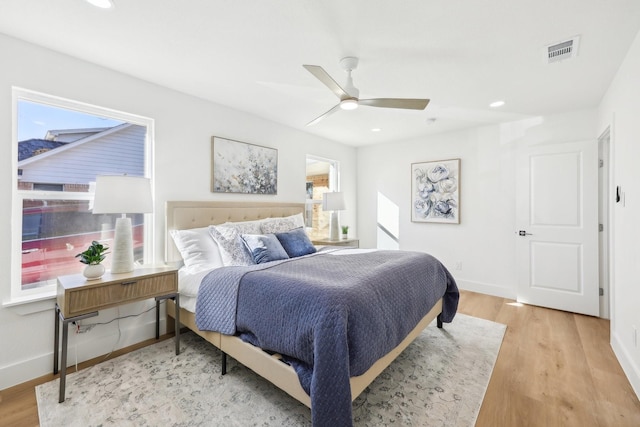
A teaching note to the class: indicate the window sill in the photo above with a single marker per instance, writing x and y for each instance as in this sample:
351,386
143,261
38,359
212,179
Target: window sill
31,304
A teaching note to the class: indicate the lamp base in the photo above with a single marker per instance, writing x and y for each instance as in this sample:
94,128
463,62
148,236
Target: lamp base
334,226
122,250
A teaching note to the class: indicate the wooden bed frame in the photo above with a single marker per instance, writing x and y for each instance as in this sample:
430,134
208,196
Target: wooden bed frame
185,215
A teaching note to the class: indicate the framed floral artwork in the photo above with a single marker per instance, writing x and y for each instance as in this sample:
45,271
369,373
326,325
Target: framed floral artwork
238,167
435,191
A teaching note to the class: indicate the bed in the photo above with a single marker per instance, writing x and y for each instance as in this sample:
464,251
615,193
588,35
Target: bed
328,407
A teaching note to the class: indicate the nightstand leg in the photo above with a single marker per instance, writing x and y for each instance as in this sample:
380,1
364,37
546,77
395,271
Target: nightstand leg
65,339
63,362
56,338
177,301
157,318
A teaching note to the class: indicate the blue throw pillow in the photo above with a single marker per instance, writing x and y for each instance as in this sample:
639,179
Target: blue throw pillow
264,247
296,242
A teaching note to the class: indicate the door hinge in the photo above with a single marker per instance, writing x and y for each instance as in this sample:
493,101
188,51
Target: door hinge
600,228
600,163
601,291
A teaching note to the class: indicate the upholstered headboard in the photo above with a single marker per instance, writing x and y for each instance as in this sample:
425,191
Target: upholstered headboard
181,215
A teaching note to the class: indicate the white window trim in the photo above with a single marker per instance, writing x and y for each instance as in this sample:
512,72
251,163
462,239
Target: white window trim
334,177
17,294
334,171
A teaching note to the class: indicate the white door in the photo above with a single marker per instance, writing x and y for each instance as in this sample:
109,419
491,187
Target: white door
557,226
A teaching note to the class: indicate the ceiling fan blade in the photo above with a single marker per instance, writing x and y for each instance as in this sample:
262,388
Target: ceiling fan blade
328,81
317,119
405,103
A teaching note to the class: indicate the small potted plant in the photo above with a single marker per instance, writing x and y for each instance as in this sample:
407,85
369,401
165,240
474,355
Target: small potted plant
345,231
93,257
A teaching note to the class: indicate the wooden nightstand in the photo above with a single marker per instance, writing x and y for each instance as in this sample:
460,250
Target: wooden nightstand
79,298
341,242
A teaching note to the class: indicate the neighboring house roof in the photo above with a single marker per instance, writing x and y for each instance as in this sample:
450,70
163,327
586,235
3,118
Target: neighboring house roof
63,146
70,135
116,151
32,147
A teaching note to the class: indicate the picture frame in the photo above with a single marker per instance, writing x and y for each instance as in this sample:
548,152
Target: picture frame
240,167
435,191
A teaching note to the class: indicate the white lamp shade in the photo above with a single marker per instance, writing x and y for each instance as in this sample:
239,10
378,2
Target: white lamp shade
122,194
333,201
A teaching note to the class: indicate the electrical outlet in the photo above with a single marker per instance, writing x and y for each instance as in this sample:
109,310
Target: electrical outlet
81,329
459,265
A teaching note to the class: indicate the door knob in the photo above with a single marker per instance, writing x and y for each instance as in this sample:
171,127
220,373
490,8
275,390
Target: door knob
524,233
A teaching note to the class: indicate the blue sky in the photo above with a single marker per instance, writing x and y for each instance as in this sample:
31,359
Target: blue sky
34,120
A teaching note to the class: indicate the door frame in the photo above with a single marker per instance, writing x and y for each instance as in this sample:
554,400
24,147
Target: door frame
605,207
610,203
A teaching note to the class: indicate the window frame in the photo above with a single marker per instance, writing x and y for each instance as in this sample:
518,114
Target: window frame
17,294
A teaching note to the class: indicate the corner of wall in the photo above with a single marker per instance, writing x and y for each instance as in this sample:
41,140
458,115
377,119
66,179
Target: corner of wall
631,370
486,288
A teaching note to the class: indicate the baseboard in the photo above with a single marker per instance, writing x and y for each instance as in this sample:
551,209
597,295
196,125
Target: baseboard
95,343
630,368
486,288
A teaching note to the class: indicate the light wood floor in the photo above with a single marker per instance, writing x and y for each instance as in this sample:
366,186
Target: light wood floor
554,369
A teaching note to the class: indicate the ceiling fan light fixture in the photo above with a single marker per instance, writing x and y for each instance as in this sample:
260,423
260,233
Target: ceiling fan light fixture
349,104
349,95
102,4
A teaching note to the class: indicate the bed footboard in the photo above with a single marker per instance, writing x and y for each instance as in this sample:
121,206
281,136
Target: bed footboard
282,375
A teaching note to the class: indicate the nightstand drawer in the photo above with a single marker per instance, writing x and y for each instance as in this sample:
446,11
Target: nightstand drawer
77,295
93,299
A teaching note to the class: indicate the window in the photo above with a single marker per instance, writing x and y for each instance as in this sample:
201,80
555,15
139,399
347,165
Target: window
60,147
322,176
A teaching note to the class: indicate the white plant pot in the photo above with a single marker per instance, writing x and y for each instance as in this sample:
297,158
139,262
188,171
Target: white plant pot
345,236
93,271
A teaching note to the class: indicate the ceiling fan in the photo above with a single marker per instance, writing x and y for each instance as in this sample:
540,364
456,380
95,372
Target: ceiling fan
349,94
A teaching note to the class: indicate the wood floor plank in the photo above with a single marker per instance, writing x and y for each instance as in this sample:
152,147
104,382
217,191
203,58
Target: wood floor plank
554,369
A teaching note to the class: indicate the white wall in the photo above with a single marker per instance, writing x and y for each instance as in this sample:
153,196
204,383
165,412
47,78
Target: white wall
484,243
183,129
619,110
184,125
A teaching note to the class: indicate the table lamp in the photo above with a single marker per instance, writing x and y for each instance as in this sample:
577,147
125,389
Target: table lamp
333,202
122,194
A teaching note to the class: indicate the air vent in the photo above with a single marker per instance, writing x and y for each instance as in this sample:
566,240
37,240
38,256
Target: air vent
563,50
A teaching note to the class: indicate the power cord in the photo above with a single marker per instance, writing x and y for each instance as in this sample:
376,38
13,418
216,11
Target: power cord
83,328
119,334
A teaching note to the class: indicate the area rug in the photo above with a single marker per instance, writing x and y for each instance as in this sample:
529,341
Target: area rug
439,380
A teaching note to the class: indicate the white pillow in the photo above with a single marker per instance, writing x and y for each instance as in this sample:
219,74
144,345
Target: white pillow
232,249
282,225
198,249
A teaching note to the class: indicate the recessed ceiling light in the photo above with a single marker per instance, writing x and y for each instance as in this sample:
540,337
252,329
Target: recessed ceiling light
102,4
496,104
376,130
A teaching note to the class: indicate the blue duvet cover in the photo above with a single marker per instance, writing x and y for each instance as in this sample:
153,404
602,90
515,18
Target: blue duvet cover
332,315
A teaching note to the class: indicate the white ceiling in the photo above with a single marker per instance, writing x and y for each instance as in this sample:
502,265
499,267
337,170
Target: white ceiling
248,54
